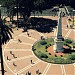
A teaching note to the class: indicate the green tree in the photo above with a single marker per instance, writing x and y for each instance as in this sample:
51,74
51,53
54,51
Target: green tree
25,8
9,4
5,35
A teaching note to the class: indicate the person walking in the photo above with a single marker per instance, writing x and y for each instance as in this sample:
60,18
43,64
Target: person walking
31,61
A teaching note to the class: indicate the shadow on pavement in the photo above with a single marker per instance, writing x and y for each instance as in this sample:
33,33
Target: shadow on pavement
40,24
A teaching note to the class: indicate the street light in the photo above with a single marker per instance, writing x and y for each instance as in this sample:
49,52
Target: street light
73,23
17,5
73,17
0,11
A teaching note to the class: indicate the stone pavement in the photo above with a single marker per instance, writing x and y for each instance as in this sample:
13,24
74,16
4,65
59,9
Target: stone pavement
18,55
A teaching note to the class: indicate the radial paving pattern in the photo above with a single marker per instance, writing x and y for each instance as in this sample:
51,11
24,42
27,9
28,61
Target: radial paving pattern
18,56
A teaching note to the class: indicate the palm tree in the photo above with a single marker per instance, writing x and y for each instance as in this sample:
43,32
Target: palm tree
5,35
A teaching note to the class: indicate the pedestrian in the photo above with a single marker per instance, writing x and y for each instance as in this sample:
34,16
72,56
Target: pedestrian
28,34
10,52
8,58
26,74
14,64
67,26
30,73
31,61
19,40
14,56
37,71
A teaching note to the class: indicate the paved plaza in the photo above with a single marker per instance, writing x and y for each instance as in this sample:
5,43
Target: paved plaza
18,53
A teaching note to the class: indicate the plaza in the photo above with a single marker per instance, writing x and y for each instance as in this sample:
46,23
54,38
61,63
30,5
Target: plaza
18,55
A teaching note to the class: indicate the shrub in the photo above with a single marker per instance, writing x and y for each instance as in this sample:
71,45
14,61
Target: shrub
73,44
43,42
49,45
66,44
46,50
69,41
61,55
49,53
42,55
72,57
46,47
55,55
62,61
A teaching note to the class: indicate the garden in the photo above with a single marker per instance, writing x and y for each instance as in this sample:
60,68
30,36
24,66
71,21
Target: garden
40,49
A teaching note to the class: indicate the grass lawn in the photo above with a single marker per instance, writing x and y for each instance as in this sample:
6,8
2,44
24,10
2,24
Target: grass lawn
40,50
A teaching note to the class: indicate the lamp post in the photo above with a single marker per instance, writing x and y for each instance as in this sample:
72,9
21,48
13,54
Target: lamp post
73,24
73,17
0,11
17,13
16,7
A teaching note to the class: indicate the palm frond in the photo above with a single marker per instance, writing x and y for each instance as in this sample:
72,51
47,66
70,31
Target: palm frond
7,27
5,37
8,30
5,33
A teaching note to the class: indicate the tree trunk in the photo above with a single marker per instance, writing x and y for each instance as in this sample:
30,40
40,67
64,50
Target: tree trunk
0,14
1,58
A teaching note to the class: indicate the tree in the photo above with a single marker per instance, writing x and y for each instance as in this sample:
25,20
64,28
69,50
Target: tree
25,8
5,35
8,4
